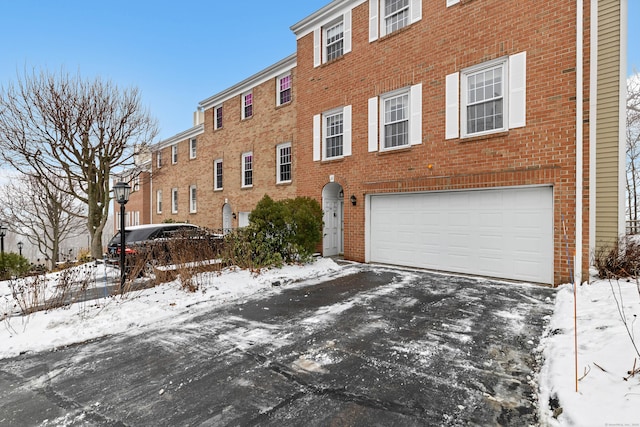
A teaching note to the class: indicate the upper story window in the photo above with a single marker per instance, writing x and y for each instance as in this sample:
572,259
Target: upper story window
247,169
159,201
193,145
284,89
247,105
395,120
333,40
332,134
217,117
217,177
174,154
159,159
174,200
487,98
283,157
193,205
136,183
400,119
387,16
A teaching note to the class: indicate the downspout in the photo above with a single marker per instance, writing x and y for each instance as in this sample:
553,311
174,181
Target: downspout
622,115
593,120
579,138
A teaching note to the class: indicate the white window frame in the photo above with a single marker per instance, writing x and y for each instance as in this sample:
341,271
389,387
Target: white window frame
328,133
245,169
514,95
174,200
193,146
159,201
193,199
280,164
136,218
320,133
243,219
377,21
218,110
388,97
377,122
218,186
325,40
244,105
136,184
280,92
159,159
320,38
174,154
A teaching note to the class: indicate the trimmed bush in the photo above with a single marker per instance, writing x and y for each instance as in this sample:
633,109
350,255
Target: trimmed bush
279,232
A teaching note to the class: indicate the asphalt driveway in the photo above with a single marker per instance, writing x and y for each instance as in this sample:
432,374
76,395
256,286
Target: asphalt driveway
378,347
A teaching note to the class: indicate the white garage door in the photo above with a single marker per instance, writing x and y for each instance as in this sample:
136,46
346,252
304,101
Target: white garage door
505,233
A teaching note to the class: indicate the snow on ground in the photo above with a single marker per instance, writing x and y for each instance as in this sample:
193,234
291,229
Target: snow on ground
605,349
605,355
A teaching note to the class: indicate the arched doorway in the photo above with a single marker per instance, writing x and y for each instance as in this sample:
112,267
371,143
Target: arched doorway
333,217
226,218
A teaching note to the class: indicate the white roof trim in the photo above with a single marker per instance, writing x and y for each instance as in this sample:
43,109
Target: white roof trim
269,73
326,14
182,136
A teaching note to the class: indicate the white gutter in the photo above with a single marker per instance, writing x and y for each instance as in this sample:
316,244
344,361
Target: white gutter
579,138
622,115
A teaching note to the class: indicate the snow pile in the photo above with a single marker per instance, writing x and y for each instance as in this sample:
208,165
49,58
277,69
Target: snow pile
606,354
44,331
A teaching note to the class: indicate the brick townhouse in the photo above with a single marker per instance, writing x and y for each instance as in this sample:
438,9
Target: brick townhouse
239,150
463,135
456,135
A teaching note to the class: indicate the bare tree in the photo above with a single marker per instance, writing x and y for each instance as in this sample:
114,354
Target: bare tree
62,126
633,150
44,215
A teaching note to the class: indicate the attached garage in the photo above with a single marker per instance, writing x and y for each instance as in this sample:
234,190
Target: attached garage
506,232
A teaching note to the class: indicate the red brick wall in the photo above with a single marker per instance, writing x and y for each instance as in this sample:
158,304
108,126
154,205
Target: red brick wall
268,127
444,41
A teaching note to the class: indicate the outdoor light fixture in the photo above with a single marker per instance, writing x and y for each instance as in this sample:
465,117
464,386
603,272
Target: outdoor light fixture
353,199
3,232
20,246
121,193
234,215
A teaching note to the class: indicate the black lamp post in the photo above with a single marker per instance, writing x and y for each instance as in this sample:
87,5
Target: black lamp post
121,193
3,232
20,246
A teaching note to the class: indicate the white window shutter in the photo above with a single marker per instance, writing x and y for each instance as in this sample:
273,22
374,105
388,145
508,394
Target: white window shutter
346,21
452,101
317,120
416,10
317,47
373,124
415,121
518,90
452,2
373,20
346,136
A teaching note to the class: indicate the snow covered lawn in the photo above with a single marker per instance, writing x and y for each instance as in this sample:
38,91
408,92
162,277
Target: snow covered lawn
605,350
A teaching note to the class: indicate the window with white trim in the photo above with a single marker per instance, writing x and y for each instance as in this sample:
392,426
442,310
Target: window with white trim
217,114
486,98
243,219
136,184
396,118
193,145
332,40
136,218
283,88
283,161
159,201
174,154
387,16
174,200
247,105
332,134
193,205
159,159
247,169
217,177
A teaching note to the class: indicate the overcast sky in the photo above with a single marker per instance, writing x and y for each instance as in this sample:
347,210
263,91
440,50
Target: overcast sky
177,53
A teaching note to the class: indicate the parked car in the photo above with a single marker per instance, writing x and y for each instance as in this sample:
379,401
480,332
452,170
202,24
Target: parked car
151,241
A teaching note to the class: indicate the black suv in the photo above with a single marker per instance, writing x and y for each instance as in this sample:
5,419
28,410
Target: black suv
141,239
